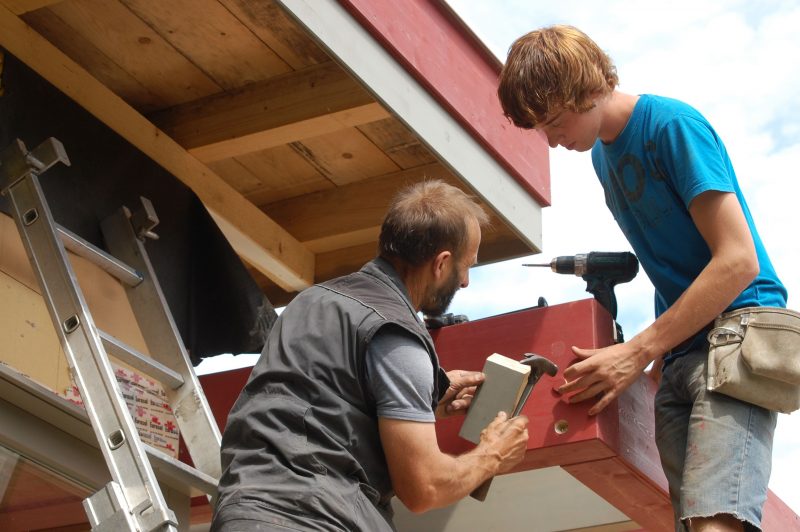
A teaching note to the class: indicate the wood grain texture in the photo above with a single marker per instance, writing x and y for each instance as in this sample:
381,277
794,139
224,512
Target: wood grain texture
287,108
136,48
505,380
278,31
252,234
211,38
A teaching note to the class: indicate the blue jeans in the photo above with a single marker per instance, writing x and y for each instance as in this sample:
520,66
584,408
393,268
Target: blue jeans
716,451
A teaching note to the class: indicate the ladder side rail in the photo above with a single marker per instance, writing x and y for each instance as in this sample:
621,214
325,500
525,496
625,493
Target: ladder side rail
190,406
88,362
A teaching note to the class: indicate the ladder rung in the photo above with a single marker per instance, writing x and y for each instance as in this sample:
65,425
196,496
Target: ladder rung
173,472
92,253
41,402
142,362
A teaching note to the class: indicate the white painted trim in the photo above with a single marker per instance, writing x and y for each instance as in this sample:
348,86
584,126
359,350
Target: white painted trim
352,45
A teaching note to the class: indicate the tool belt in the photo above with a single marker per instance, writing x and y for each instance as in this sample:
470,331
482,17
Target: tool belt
754,355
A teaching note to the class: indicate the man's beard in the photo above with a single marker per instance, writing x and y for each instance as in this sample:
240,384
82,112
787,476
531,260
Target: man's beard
437,303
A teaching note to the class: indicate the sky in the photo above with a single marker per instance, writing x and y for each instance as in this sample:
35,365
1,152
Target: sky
736,62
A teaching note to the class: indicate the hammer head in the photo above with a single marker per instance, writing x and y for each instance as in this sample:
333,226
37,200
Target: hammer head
539,365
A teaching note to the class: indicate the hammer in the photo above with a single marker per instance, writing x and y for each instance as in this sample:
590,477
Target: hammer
539,365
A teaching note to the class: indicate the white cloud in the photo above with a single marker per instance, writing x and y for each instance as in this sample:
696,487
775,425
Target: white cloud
736,61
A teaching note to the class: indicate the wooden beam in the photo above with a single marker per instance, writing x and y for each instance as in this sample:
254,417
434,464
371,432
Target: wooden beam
257,238
307,103
322,218
351,215
496,244
19,7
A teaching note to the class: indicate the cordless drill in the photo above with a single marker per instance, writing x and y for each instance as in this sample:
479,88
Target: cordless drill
602,271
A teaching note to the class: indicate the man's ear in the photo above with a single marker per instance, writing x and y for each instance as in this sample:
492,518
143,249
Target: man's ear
439,263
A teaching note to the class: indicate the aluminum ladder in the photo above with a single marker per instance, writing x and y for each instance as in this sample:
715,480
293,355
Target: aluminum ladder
133,499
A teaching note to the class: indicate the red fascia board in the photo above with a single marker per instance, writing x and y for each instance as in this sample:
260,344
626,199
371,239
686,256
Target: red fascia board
613,453
555,425
434,45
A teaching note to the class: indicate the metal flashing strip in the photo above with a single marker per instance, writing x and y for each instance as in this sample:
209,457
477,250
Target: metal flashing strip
352,45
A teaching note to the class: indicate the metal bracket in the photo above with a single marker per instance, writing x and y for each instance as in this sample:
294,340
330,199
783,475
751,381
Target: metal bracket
16,161
144,219
108,512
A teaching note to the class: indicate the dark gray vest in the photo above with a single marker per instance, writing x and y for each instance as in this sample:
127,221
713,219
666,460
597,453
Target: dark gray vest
302,442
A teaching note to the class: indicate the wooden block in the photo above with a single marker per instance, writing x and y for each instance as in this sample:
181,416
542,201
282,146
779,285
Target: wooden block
505,380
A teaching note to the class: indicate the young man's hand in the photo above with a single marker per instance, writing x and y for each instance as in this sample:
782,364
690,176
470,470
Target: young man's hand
459,394
605,372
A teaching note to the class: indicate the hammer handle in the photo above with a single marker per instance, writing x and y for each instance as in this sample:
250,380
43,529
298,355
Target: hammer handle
481,491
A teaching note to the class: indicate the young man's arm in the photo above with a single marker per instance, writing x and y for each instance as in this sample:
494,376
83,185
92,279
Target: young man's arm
425,478
733,265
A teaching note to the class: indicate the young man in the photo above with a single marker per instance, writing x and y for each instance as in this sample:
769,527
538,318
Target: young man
671,187
338,413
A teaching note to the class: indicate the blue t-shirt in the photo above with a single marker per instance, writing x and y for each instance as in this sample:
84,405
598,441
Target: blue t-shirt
668,154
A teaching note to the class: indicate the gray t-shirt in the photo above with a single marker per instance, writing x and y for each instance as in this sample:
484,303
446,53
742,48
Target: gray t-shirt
400,376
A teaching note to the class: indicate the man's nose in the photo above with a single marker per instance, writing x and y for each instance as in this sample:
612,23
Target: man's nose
465,281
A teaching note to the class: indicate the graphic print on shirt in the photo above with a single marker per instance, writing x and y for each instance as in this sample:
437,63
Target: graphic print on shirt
637,188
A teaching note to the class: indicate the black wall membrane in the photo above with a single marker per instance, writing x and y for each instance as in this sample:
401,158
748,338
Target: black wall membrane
216,304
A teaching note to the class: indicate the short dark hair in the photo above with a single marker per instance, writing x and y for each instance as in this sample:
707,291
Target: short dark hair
427,218
550,70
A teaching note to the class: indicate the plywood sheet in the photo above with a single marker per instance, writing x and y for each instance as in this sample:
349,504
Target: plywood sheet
31,345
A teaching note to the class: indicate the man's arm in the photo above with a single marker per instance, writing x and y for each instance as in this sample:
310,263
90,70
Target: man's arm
733,265
425,478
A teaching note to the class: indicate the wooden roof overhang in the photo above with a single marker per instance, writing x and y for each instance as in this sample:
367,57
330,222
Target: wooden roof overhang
295,121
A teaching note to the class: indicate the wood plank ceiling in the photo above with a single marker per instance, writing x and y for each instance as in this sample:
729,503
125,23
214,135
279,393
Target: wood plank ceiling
248,93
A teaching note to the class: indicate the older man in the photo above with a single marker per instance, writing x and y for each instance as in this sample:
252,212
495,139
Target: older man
338,414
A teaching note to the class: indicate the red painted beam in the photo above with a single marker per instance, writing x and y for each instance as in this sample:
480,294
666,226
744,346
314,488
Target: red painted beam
443,55
614,453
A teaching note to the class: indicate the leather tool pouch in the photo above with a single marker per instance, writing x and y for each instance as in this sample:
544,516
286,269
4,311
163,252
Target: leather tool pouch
754,355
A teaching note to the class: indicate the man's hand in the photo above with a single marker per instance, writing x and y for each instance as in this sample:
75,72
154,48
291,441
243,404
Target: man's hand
459,394
506,439
606,372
